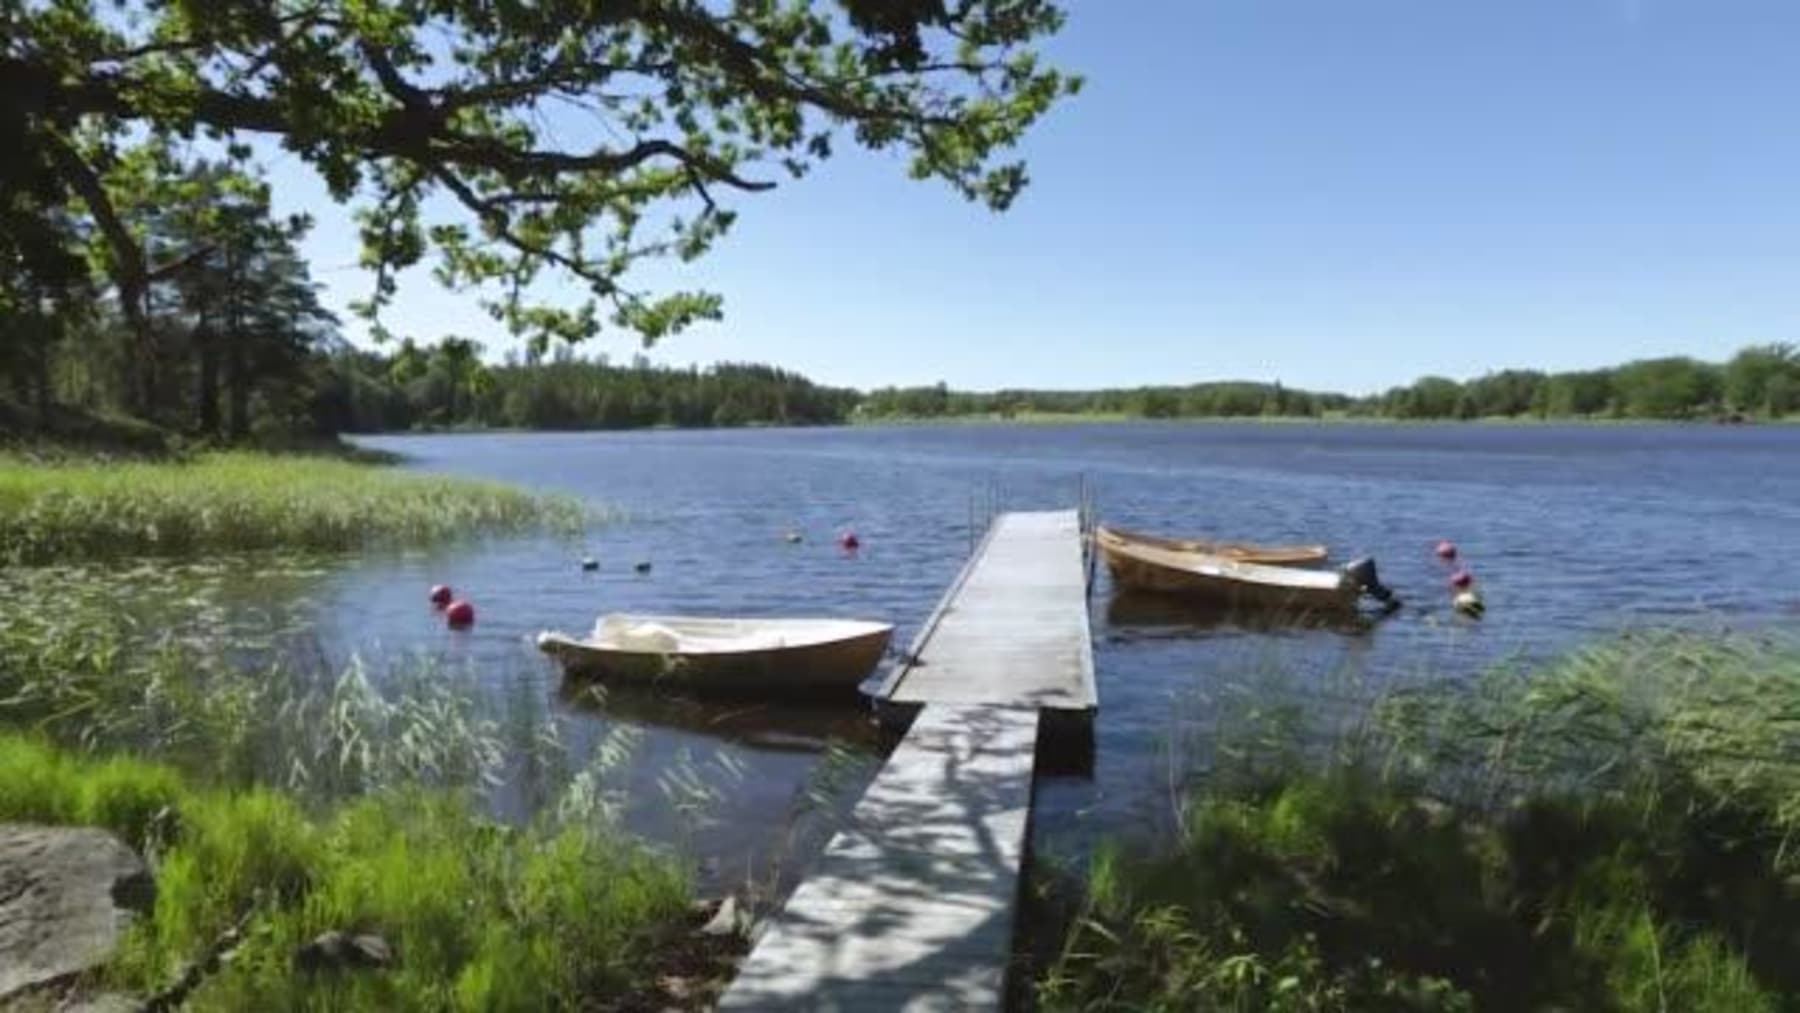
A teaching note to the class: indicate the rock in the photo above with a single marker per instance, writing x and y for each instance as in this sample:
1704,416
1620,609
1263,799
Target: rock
67,895
726,921
106,1002
338,951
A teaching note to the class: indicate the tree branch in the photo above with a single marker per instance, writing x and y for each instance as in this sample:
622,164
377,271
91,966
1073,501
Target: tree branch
414,133
501,223
753,70
129,271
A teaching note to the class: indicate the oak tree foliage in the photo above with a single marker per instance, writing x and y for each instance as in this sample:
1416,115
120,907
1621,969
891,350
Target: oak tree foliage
501,141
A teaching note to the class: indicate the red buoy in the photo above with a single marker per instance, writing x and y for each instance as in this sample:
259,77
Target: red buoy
460,614
1446,550
440,595
850,542
1461,578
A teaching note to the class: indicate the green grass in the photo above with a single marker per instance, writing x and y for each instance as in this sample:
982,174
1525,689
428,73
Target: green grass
309,800
481,916
245,501
1616,831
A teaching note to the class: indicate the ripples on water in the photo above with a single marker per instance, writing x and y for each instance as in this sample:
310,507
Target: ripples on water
1573,532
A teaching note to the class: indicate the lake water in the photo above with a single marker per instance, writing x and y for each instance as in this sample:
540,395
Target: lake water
1573,532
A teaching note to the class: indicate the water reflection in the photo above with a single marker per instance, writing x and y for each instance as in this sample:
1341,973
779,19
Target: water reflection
766,727
1132,615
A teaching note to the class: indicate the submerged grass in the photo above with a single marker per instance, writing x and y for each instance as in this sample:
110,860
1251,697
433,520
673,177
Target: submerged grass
1613,832
478,916
244,501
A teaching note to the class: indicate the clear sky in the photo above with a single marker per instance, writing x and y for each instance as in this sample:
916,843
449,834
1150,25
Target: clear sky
1337,194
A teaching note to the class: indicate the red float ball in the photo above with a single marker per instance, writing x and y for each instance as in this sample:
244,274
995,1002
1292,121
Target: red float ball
460,614
850,541
1461,579
440,595
1446,550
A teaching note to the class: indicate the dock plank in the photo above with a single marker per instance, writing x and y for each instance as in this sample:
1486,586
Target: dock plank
911,906
1013,631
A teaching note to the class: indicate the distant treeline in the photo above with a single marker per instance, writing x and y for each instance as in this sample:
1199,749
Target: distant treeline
447,385
1760,381
1202,400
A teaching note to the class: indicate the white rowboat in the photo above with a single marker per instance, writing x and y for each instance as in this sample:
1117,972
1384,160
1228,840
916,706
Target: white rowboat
741,657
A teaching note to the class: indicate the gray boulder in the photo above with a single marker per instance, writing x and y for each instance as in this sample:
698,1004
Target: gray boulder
67,895
339,951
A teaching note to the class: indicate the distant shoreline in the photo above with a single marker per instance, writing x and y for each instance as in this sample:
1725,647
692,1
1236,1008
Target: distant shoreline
1036,419
1110,418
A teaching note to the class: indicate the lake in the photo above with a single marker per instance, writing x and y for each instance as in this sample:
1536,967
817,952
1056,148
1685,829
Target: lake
1572,532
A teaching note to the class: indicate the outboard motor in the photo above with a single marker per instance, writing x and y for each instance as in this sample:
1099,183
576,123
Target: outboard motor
1363,572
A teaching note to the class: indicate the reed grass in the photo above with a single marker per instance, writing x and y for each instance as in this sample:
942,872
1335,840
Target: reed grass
1612,831
287,799
51,511
86,677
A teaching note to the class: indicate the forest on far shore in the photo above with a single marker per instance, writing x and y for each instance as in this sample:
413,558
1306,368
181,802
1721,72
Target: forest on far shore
232,344
1760,381
317,385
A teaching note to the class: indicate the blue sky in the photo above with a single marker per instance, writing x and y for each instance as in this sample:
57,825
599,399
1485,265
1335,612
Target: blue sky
1334,193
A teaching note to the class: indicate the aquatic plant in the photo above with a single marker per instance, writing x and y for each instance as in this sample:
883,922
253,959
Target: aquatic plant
1611,831
245,501
88,678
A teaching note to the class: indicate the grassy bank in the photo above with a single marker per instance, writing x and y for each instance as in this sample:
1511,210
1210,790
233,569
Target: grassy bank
288,800
479,917
245,501
1615,832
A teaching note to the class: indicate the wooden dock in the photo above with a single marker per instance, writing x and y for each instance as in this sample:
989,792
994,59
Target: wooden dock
911,906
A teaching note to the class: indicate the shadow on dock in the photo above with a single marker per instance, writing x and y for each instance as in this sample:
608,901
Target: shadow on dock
913,900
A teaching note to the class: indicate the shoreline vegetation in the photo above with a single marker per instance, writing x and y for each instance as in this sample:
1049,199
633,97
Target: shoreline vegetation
1615,830
276,801
475,915
241,501
446,387
438,388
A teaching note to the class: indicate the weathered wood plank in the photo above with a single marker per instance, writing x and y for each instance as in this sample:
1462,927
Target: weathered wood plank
911,907
1013,629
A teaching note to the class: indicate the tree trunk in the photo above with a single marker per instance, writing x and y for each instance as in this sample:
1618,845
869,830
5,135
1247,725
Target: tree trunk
208,394
237,377
41,369
140,362
239,383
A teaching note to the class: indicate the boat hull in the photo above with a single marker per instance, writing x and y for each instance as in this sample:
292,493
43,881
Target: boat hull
828,669
1229,583
1248,552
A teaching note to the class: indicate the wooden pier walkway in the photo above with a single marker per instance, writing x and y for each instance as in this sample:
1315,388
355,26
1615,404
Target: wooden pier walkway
911,906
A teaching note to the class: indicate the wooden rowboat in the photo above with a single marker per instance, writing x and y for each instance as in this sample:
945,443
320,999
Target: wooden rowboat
1233,583
1246,552
738,657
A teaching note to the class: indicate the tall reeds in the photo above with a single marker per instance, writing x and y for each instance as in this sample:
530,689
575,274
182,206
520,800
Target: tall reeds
245,501
1611,831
